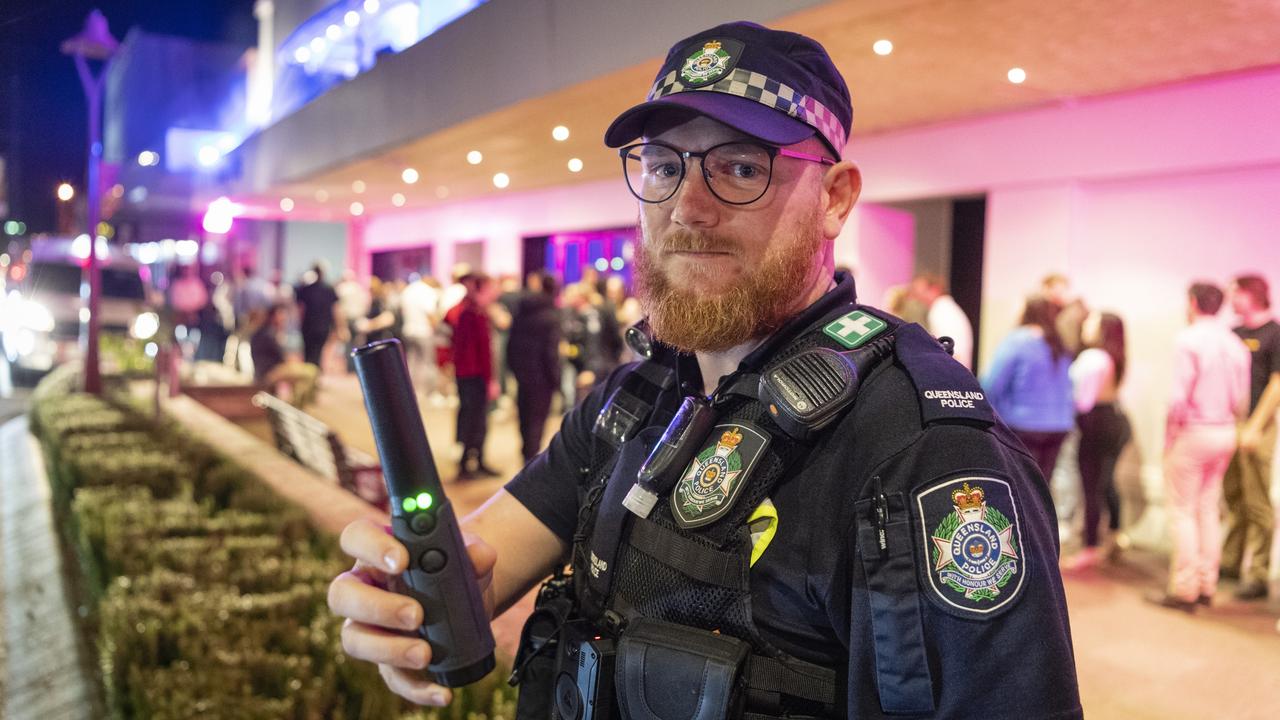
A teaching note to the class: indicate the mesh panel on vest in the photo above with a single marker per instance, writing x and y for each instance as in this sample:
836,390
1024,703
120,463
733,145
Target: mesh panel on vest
648,587
653,589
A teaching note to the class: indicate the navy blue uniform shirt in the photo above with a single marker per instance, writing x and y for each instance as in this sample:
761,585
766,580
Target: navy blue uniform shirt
952,605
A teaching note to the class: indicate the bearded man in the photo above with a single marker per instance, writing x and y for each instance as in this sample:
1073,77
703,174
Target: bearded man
795,506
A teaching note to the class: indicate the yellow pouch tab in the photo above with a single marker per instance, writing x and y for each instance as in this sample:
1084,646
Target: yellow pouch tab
763,525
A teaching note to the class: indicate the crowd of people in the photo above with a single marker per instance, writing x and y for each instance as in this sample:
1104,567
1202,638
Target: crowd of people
1055,380
468,344
1060,370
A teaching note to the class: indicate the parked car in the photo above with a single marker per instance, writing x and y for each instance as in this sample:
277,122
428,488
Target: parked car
46,299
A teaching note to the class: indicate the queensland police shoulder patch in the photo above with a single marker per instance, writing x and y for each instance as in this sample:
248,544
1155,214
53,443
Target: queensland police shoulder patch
972,544
714,479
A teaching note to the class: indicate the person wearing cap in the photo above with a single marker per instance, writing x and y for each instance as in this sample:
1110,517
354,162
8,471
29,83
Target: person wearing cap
795,505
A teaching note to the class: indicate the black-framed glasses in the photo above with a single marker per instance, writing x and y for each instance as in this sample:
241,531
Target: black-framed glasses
738,173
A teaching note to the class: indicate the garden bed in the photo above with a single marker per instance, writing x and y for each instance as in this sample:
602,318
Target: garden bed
204,591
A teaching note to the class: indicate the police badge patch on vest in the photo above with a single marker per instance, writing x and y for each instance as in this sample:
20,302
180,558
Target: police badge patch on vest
715,477
973,554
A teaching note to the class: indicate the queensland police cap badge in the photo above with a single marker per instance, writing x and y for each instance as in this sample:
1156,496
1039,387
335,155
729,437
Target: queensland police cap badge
707,64
972,543
713,480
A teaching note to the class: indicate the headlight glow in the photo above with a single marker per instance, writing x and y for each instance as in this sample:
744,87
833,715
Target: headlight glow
145,326
25,343
34,316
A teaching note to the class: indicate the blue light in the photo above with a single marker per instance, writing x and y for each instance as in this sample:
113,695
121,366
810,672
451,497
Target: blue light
208,156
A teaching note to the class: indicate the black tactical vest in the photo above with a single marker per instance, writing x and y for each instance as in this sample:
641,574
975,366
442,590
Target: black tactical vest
660,567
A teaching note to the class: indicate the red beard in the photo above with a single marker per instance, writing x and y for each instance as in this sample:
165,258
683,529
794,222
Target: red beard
690,318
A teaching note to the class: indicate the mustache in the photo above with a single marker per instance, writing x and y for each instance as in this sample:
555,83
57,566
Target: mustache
691,241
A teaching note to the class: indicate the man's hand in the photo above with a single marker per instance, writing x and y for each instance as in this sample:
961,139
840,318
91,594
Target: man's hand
1250,438
381,626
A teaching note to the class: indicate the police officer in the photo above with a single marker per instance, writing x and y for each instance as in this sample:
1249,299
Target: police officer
796,505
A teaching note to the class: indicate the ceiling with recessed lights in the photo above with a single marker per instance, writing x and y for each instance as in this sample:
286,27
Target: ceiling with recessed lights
950,59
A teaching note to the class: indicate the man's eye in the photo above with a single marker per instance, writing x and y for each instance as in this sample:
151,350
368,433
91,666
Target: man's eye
664,170
745,171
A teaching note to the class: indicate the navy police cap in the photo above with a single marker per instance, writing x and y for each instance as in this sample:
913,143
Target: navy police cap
780,87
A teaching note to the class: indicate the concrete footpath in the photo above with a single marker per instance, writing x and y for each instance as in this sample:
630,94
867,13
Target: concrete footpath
42,664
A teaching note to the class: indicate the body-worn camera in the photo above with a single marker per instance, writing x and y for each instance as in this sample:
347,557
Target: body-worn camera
584,674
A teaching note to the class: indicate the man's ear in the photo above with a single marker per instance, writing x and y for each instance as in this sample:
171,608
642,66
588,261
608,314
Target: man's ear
840,189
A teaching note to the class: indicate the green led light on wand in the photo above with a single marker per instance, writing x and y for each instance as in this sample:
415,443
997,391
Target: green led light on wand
424,501
410,504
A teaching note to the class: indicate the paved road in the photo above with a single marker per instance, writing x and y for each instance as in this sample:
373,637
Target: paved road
13,399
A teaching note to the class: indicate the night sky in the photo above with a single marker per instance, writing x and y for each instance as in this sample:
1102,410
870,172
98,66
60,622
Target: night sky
43,119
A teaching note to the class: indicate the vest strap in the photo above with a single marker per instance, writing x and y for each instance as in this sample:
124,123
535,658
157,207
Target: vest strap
688,556
794,678
902,665
610,524
656,374
745,385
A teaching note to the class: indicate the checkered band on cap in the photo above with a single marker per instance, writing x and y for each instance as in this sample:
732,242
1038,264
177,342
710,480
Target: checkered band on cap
771,93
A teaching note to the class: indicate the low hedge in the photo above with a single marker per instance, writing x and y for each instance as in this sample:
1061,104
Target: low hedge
204,592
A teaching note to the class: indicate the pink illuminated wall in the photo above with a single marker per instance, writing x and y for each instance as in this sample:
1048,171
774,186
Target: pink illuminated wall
877,241
1134,196
1222,122
502,220
879,244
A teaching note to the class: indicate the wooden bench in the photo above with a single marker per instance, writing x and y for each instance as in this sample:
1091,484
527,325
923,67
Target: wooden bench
312,444
233,402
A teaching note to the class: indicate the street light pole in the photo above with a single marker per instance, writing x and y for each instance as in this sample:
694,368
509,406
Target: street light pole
93,43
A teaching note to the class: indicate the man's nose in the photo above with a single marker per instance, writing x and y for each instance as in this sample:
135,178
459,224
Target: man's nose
694,205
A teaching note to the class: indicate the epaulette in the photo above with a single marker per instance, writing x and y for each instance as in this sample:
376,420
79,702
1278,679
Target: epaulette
945,389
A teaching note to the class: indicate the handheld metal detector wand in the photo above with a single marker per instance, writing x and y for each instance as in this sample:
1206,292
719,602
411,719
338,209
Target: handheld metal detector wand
440,575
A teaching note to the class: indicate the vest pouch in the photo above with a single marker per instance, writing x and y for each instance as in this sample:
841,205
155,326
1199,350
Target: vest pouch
535,661
666,671
888,558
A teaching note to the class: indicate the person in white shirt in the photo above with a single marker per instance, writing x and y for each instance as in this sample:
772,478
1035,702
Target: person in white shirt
419,304
1210,394
453,294
353,305
944,318
1096,375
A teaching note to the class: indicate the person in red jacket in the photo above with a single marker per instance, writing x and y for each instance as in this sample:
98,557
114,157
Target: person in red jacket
473,368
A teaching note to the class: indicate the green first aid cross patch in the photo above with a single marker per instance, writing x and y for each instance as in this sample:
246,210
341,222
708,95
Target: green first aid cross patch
855,329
